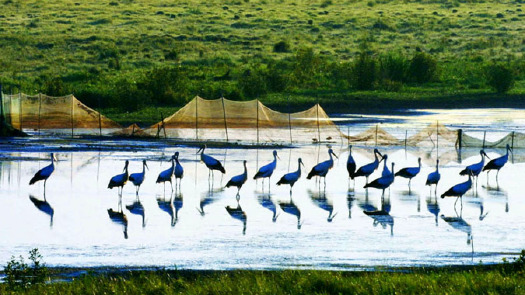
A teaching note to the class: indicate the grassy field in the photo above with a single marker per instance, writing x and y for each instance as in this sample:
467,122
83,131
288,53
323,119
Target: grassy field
475,280
130,54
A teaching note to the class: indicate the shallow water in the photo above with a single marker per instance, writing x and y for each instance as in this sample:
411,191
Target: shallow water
193,230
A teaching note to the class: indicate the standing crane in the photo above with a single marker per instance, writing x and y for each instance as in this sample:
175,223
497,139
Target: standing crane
369,168
44,173
322,168
266,171
210,162
292,177
138,178
120,180
238,180
433,178
498,163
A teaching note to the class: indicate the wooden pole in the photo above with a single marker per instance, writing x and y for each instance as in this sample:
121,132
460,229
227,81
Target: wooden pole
512,142
406,134
459,142
437,134
484,135
196,118
290,120
318,129
257,106
376,133
39,108
72,115
162,124
224,115
20,108
99,123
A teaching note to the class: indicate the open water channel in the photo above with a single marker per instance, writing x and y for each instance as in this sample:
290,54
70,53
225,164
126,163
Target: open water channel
316,227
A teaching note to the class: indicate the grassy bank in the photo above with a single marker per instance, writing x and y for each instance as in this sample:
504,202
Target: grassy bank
130,54
506,279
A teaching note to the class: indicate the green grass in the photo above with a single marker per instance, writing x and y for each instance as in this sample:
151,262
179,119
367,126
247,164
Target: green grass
474,280
106,52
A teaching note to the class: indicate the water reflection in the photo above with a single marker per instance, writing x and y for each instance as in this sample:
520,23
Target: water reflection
137,208
320,199
267,202
44,207
433,206
497,192
290,208
166,205
119,217
208,198
350,199
239,214
382,216
457,222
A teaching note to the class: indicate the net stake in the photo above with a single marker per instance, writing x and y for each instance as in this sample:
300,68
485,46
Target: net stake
318,129
39,108
72,115
224,115
484,135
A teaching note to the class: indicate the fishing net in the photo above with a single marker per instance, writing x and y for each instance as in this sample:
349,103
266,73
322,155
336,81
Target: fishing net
228,121
251,121
55,115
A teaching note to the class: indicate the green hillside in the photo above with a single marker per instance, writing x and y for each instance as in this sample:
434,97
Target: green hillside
132,53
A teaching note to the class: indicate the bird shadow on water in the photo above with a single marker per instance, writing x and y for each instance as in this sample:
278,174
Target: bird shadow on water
43,206
497,192
382,216
167,205
320,199
208,198
267,202
119,217
138,209
457,222
239,214
291,208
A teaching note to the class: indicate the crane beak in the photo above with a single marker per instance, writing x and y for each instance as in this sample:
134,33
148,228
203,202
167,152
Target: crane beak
278,157
335,155
55,158
485,154
200,149
145,164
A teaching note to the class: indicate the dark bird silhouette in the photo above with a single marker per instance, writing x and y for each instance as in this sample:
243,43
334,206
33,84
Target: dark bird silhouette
138,178
291,178
369,168
458,190
120,180
267,170
211,162
238,180
434,177
498,163
179,171
322,168
382,182
350,164
44,173
167,174
410,172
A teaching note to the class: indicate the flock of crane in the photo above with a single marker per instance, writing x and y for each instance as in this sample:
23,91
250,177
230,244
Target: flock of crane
320,170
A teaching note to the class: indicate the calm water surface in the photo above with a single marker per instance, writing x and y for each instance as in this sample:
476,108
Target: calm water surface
317,227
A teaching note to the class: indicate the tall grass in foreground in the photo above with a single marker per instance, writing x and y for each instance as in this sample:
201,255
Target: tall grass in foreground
507,279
